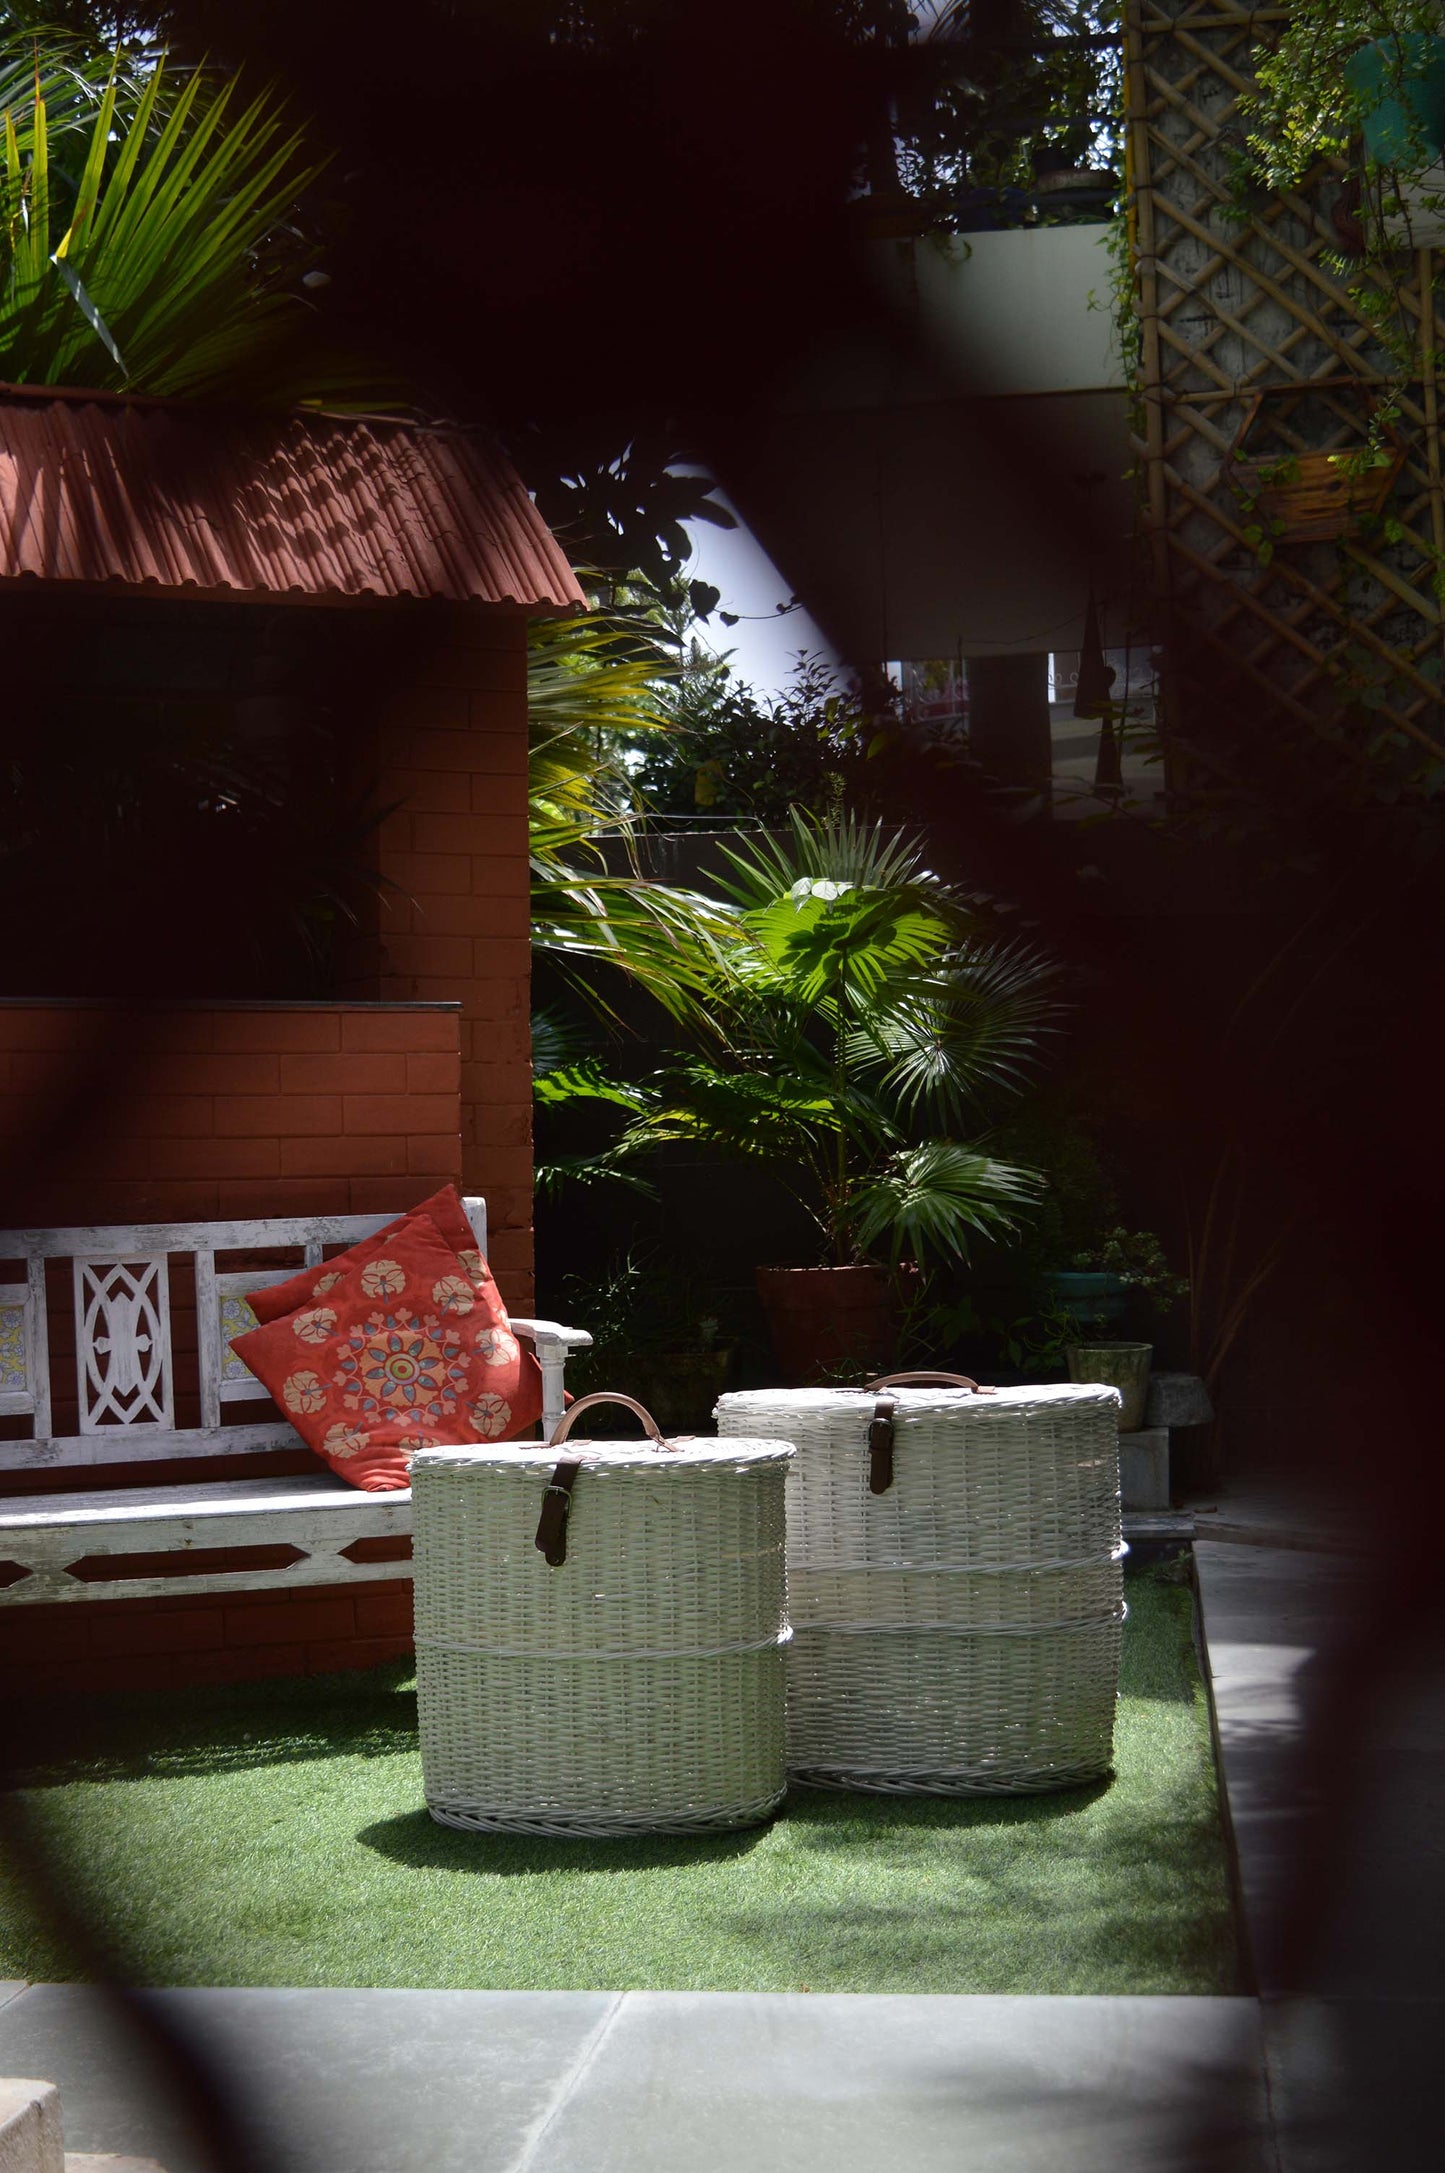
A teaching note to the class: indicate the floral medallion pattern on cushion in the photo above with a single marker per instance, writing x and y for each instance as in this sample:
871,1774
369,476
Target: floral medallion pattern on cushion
405,1353
446,1211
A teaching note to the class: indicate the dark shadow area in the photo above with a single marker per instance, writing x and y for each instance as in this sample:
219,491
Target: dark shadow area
845,1819
419,1842
1121,1934
148,1734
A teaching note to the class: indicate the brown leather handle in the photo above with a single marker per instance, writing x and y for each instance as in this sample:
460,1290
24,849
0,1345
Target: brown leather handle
880,1426
551,1539
602,1395
928,1380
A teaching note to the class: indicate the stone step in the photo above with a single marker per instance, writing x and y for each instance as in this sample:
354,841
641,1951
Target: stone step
32,2135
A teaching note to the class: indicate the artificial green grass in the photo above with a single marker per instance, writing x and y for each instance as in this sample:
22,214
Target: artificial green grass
275,1835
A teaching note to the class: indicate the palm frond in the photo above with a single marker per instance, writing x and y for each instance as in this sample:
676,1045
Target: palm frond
591,685
932,1199
669,942
955,1036
165,225
845,849
833,943
606,1167
766,1116
585,1081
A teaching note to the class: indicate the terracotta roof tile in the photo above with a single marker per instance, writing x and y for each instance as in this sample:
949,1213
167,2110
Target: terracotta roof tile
161,495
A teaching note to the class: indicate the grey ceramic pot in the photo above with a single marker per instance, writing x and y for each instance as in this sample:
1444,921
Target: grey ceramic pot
1124,1366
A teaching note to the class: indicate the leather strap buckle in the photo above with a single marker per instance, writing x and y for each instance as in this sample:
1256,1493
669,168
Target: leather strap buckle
551,1539
880,1446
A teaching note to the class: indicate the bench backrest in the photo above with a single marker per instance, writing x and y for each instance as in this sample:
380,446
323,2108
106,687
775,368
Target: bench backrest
124,1363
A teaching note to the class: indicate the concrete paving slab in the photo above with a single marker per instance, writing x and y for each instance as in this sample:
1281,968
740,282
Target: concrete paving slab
1354,2083
529,2082
1341,1853
319,2081
734,2082
107,2161
1271,1617
1278,1595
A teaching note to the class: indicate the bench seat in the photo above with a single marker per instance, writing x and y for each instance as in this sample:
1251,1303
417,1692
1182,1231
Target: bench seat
154,1542
46,1535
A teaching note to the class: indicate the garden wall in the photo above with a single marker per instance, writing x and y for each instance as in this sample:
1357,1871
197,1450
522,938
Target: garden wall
176,1112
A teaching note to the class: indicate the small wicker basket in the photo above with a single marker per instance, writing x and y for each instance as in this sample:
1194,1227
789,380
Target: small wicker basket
601,1636
955,1582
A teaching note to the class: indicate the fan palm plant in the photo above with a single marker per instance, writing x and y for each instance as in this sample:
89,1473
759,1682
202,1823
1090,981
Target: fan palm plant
870,1020
149,240
591,688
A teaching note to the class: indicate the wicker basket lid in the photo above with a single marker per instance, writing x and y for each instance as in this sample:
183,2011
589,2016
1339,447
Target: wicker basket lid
976,1408
556,1468
681,1453
655,1453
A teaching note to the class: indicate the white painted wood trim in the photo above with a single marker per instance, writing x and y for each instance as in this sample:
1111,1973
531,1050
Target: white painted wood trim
272,1234
46,1588
318,1517
37,1345
208,1336
137,1445
248,1391
134,1333
551,1331
320,1494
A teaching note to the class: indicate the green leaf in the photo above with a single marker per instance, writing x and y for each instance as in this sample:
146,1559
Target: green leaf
585,1082
87,308
933,1199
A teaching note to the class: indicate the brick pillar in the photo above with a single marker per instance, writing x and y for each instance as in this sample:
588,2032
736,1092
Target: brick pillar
452,750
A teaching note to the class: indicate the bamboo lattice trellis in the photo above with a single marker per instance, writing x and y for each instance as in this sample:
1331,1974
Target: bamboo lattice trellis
1331,644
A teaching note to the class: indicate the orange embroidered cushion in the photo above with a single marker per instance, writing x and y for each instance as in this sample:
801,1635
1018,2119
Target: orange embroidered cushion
446,1211
404,1351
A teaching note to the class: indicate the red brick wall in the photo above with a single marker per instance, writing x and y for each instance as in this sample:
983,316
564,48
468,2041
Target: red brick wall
208,1110
166,1644
452,751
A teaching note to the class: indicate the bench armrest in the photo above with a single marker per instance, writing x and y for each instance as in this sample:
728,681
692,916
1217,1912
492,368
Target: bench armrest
551,1331
553,1345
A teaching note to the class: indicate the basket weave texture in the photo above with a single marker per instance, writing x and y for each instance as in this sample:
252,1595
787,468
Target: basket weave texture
958,1634
639,1686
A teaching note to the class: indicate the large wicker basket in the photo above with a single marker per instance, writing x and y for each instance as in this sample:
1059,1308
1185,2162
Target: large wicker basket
601,1635
955,1582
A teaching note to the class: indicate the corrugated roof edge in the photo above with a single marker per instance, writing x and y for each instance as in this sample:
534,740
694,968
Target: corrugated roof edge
509,536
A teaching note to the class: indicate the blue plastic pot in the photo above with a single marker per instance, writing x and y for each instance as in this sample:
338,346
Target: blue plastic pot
1400,84
1089,1294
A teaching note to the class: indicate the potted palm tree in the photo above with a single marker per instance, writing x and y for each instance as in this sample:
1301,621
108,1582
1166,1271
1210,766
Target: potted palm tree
871,1016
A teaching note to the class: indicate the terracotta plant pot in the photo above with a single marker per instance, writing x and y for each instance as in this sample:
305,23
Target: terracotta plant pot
1124,1366
827,1322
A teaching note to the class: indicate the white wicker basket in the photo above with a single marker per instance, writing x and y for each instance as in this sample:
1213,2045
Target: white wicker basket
955,1582
601,1636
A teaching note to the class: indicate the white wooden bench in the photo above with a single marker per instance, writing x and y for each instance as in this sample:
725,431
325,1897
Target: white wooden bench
104,1545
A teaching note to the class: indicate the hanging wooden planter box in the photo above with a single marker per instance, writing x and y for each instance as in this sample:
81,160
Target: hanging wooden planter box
1312,497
